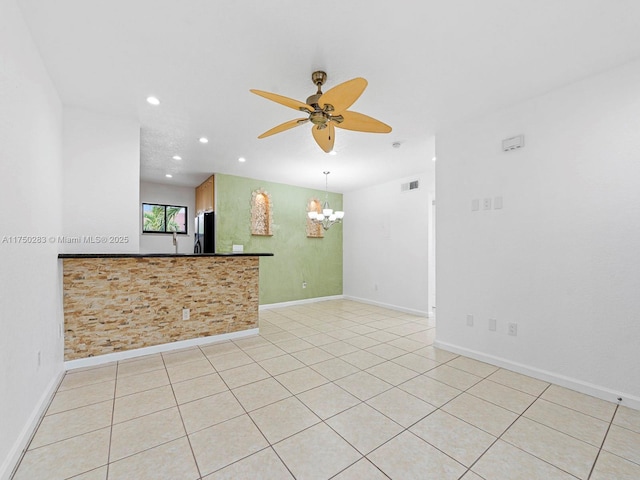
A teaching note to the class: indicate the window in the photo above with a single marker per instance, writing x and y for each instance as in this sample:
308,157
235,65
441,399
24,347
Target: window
163,218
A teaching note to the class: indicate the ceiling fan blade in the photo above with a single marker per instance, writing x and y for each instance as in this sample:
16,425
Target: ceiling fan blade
286,101
284,126
362,123
344,95
325,137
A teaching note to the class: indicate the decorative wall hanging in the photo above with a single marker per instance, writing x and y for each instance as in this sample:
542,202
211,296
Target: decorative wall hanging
261,213
314,229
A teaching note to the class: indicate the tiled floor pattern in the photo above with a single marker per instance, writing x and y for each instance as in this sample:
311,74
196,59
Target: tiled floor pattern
334,389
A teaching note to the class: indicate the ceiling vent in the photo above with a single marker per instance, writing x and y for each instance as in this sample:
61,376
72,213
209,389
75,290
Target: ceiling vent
513,143
406,187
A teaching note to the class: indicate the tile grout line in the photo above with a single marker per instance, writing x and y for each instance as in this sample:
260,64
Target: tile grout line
523,450
142,416
151,388
303,321
407,429
269,444
292,395
604,439
538,397
35,430
193,454
363,459
44,416
363,456
505,431
404,429
440,407
113,415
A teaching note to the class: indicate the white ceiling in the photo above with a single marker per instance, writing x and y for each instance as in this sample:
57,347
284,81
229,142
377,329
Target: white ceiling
428,63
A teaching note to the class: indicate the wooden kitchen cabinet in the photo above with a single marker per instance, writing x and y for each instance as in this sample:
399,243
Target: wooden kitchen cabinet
205,196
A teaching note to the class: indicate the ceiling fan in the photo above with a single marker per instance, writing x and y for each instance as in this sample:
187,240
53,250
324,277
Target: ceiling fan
327,110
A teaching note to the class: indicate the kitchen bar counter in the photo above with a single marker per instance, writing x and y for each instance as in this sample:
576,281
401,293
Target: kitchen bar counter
134,255
122,302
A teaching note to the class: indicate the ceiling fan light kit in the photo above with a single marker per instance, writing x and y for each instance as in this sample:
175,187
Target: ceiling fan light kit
327,111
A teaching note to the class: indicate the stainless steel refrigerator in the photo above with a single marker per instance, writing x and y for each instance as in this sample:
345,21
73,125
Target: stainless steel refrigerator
205,233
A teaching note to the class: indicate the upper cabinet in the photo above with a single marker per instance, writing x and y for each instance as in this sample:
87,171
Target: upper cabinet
205,196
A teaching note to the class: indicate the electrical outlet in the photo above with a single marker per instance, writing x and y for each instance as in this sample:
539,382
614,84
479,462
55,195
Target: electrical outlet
469,320
304,284
512,329
486,204
492,324
186,314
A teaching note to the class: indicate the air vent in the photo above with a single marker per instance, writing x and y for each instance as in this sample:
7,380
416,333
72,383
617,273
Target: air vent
512,143
406,187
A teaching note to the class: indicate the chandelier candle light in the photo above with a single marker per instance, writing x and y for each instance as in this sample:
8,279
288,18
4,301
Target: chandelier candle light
328,217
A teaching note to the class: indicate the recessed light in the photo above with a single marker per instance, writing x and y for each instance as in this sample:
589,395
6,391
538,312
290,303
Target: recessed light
242,159
177,157
153,101
433,159
203,140
168,175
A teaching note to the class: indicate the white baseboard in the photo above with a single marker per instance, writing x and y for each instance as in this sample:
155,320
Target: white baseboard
419,313
165,347
598,391
270,306
15,454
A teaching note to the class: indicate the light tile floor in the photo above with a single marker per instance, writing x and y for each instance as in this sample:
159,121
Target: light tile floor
333,389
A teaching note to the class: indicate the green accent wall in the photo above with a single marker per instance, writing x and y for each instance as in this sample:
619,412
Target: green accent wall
297,259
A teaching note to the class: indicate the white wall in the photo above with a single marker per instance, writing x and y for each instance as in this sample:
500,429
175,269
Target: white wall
167,195
101,182
385,243
562,257
30,195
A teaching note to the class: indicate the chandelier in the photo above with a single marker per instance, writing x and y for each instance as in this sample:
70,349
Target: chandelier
328,217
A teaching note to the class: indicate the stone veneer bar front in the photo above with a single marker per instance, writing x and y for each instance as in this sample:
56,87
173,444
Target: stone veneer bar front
118,302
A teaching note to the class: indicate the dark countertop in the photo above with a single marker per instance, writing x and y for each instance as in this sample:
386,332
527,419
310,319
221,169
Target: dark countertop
142,255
